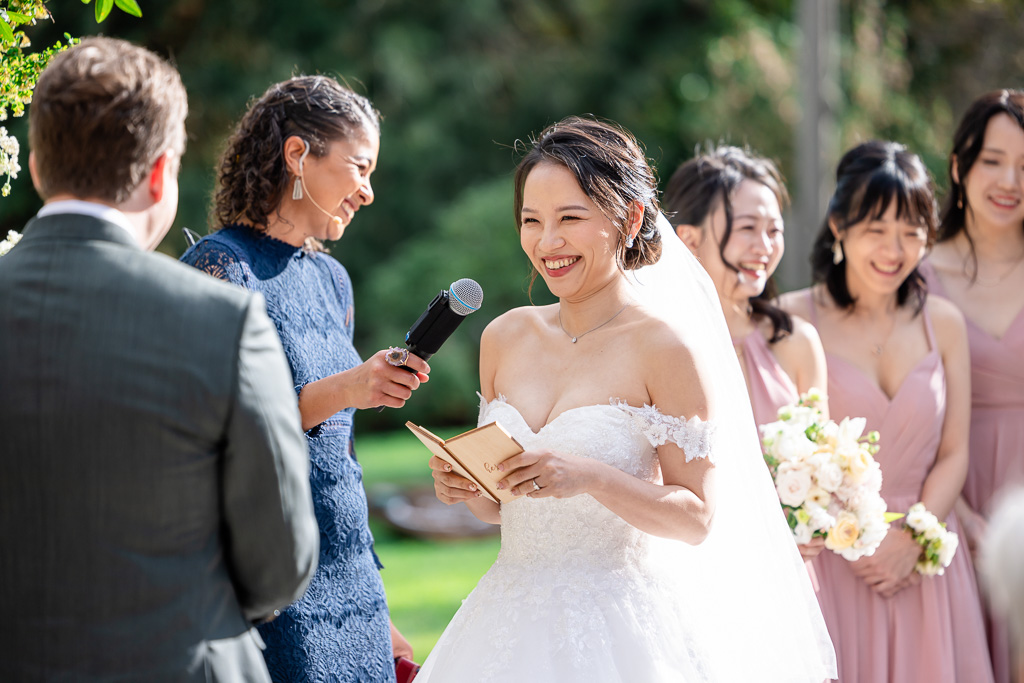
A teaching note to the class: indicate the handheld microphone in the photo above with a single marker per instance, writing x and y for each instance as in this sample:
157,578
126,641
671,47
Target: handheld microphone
446,312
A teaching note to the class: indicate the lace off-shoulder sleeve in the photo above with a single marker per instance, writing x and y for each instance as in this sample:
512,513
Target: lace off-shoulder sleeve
693,435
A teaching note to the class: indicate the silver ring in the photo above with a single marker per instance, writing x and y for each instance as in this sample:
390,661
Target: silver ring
396,356
536,486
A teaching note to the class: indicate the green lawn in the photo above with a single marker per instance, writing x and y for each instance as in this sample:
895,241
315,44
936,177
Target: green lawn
426,581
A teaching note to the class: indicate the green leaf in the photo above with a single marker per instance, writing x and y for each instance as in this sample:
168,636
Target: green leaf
129,7
19,18
6,34
103,8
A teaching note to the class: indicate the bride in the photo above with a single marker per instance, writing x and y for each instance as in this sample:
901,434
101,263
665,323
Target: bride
648,543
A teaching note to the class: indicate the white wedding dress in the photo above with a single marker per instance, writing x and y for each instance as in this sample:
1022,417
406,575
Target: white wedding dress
576,593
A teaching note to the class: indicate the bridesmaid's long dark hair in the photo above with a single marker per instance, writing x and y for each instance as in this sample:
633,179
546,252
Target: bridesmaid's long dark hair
967,144
695,190
869,178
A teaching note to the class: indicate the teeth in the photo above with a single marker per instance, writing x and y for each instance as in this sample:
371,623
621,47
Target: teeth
888,271
561,263
752,266
1008,203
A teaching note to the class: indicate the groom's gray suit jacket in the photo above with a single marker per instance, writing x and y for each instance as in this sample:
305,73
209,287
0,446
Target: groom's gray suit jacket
154,491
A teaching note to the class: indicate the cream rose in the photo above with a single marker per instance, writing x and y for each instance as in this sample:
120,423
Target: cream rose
844,533
793,482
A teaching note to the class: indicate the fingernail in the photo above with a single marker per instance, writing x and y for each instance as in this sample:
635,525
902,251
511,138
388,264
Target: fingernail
478,494
472,487
501,485
501,467
447,467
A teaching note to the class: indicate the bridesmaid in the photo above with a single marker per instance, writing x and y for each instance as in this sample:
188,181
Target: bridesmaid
726,206
900,360
977,265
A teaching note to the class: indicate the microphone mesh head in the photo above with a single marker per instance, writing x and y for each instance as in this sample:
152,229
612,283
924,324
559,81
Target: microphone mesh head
465,296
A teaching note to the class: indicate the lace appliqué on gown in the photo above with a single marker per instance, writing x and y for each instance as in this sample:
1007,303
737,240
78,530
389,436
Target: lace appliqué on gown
693,435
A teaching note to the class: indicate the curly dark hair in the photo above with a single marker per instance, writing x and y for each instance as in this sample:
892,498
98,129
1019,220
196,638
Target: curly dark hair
870,177
700,184
611,169
252,176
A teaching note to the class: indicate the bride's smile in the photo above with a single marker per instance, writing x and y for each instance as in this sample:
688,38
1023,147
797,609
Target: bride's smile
568,239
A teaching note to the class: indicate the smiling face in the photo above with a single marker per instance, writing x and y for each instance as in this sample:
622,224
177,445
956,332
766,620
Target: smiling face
880,253
754,246
339,182
565,235
994,185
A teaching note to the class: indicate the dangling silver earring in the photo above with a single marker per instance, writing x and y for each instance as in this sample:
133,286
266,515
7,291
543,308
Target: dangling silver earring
297,189
629,242
837,252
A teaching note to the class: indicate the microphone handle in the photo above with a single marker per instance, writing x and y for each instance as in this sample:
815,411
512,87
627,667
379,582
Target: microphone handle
413,350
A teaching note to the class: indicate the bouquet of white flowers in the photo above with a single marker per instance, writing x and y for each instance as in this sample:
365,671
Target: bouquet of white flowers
937,544
7,244
827,478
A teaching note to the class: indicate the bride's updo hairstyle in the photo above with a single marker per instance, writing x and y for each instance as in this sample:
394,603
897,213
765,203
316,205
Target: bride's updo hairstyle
869,178
611,169
697,188
252,177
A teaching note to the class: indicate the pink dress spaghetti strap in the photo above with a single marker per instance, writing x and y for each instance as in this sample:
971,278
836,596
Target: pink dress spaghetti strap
933,631
997,433
770,389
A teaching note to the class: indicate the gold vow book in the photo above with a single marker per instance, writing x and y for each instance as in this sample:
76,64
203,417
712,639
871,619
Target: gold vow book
475,455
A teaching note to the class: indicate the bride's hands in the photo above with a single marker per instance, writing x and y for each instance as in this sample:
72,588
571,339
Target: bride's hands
558,475
451,488
891,568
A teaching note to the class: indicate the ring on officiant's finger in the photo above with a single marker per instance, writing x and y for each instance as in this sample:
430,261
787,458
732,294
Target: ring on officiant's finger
536,486
396,356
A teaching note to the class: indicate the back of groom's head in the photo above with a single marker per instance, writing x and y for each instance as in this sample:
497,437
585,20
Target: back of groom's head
102,113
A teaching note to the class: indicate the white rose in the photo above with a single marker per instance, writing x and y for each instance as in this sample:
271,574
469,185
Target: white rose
948,548
820,520
802,534
829,476
793,482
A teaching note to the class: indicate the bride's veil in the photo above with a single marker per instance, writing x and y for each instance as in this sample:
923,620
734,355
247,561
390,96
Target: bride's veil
745,587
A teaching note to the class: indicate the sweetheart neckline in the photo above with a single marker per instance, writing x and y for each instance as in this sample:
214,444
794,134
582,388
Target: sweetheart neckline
502,400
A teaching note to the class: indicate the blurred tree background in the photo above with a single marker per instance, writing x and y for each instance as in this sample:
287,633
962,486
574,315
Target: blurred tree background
459,82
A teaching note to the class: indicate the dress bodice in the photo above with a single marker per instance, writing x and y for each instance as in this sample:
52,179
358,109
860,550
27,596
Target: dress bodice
997,365
579,530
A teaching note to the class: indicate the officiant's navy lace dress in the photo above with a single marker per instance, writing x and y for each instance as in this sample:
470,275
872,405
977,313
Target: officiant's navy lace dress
339,631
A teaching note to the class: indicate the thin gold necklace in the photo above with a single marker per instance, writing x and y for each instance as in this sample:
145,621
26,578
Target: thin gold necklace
580,336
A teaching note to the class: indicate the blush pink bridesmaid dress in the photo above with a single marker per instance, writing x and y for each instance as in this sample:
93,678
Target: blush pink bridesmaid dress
933,632
770,388
997,433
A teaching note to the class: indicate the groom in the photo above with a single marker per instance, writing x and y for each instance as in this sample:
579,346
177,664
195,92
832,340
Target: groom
154,493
